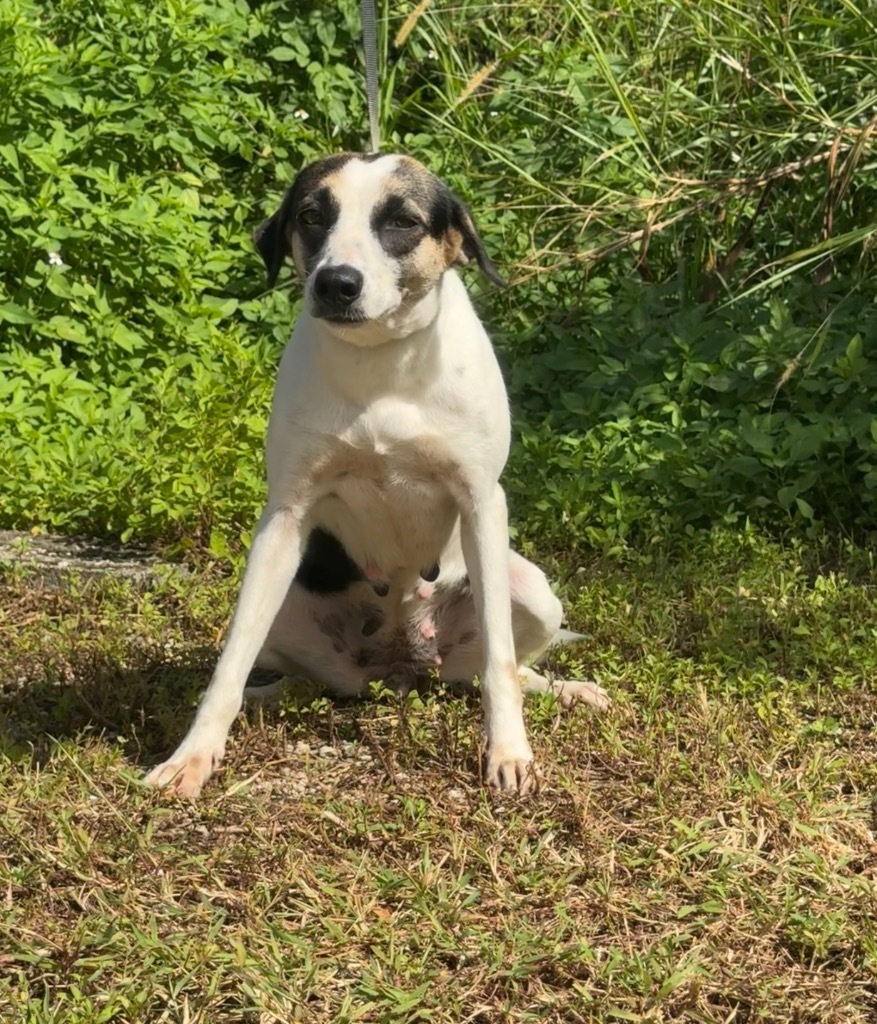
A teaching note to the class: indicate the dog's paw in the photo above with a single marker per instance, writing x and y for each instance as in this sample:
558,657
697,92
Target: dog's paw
510,769
185,773
580,691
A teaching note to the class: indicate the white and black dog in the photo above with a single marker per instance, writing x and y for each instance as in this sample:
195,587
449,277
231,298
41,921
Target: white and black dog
383,551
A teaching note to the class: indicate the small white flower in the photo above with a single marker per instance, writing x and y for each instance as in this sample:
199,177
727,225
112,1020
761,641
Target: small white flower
302,115
55,259
431,54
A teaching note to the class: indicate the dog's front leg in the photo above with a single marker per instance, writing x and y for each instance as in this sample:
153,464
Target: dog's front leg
484,533
271,566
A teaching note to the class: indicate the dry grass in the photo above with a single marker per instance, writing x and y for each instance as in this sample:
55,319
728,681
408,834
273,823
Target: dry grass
704,852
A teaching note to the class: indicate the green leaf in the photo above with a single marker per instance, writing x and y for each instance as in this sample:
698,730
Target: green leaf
218,545
282,53
67,329
12,313
10,155
854,348
755,438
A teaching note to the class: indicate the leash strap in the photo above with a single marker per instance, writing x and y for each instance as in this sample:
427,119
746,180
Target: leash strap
370,46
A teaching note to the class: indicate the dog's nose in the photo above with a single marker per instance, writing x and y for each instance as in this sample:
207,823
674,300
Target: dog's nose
338,287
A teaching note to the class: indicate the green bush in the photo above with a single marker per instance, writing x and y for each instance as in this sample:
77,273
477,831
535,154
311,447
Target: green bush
675,419
137,142
682,194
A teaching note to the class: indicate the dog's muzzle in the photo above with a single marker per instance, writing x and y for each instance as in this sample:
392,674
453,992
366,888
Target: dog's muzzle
335,292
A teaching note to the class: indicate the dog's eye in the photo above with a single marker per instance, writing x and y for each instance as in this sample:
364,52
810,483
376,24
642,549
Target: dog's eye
312,218
404,223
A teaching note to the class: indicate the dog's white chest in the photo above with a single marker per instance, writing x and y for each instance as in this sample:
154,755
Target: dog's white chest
387,491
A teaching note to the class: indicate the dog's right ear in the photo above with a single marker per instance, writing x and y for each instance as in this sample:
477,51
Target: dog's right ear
271,240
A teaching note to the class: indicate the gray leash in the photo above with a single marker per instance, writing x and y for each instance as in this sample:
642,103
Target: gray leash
370,45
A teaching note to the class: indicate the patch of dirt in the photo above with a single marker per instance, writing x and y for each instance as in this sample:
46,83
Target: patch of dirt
54,557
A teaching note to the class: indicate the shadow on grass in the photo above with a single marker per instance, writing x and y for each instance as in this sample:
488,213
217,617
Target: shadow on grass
146,709
141,706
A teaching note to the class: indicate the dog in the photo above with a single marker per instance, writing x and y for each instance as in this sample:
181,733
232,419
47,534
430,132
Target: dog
383,551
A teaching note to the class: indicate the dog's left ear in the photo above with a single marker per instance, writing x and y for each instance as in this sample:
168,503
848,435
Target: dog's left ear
271,241
471,247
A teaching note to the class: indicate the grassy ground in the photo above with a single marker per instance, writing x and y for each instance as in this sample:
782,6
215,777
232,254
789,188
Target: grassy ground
705,851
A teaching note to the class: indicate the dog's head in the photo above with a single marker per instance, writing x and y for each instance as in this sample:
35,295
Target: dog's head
371,237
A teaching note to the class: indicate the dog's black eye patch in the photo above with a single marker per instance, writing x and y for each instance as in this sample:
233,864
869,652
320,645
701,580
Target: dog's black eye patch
318,210
315,216
398,226
432,196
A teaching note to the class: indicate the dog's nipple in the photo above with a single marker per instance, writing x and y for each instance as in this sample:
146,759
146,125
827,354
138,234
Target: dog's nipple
373,575
371,625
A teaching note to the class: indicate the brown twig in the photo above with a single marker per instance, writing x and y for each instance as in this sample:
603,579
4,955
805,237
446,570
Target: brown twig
725,187
710,287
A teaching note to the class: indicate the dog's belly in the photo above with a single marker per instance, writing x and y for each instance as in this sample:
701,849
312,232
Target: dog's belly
394,528
351,638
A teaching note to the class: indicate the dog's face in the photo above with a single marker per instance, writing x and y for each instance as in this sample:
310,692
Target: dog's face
371,237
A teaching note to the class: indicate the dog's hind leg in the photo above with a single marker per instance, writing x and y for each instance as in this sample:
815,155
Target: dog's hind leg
536,618
567,691
334,640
